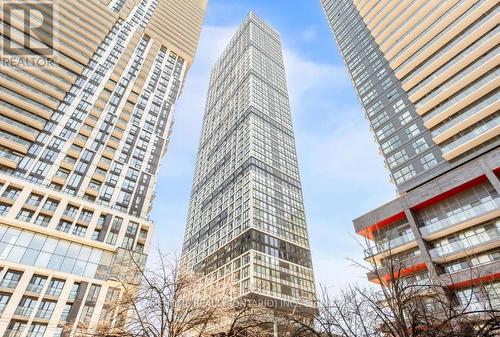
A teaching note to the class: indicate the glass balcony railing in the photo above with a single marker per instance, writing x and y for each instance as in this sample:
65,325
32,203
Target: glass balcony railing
464,215
456,41
476,132
385,245
419,22
23,311
35,288
11,284
456,23
453,63
466,243
479,305
9,155
469,92
13,333
445,87
15,138
449,124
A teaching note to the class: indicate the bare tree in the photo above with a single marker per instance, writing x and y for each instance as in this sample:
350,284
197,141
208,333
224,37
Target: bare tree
408,303
159,303
166,301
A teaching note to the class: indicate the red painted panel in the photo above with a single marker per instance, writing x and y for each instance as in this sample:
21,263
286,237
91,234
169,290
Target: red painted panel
479,280
450,193
404,272
368,231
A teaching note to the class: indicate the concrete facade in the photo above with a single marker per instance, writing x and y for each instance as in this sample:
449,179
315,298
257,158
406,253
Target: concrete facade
82,132
439,136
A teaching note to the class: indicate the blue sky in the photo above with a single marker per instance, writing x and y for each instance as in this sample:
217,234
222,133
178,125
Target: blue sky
342,173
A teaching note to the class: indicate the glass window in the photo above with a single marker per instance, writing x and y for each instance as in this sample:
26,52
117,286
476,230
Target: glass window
4,299
420,145
42,220
34,199
25,215
428,161
47,252
63,226
4,209
11,193
55,287
51,204
65,312
36,284
26,306
46,309
11,279
93,294
37,330
86,314
74,291
79,230
15,329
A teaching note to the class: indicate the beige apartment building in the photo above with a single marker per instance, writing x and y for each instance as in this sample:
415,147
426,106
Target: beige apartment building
86,99
427,77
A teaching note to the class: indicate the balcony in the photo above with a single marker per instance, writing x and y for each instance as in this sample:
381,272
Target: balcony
35,288
461,217
467,246
44,313
10,284
395,245
13,333
401,266
474,273
479,305
23,311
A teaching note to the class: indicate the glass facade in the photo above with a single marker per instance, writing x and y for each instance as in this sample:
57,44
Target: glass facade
426,74
246,224
81,141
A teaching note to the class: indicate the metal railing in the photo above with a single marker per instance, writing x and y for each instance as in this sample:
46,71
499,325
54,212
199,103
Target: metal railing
389,244
464,215
466,243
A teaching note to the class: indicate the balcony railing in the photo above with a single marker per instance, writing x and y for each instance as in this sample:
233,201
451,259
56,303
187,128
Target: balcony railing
389,244
35,288
470,242
480,306
44,313
464,215
24,311
13,333
9,284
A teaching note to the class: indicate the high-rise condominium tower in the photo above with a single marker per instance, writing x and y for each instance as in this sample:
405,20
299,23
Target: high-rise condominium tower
246,227
85,116
427,76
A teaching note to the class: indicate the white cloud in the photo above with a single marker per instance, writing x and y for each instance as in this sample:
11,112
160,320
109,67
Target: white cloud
337,153
309,34
305,76
347,153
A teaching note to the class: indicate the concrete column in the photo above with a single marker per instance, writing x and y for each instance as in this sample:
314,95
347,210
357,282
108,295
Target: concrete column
488,171
424,249
422,245
15,299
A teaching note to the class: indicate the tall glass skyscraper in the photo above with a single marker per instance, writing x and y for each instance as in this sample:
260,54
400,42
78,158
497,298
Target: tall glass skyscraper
246,227
86,92
427,76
